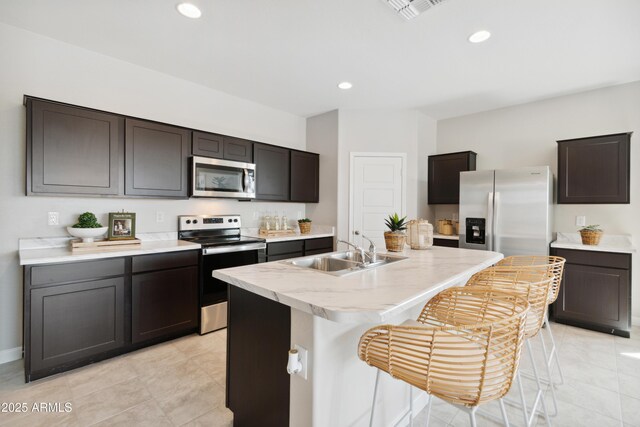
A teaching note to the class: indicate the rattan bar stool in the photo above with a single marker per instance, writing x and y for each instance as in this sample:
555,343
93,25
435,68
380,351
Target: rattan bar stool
534,285
554,265
464,348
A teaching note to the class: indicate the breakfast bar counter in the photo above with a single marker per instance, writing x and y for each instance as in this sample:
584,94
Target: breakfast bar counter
277,306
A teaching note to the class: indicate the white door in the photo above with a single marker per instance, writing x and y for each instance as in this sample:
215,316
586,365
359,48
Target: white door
377,191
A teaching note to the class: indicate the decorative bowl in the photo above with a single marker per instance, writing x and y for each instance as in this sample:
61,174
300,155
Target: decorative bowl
87,234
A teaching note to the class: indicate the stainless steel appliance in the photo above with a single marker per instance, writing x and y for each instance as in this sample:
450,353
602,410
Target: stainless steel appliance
507,211
222,247
222,178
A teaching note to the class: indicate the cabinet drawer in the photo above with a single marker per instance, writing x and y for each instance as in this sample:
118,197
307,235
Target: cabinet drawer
447,243
163,261
596,259
294,247
320,243
42,275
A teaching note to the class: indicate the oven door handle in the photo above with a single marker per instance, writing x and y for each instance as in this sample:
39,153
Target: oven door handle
234,248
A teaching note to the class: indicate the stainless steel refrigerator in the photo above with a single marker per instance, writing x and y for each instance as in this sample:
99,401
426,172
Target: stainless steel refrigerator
507,210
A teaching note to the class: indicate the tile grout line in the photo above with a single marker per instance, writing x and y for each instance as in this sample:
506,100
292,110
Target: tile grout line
119,413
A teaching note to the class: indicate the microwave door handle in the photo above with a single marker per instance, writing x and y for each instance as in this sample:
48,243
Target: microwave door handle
245,180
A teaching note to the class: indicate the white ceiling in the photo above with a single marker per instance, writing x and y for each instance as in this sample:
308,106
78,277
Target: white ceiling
290,54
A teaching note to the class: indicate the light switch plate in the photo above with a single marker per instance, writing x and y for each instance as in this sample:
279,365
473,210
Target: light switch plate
159,216
581,221
53,218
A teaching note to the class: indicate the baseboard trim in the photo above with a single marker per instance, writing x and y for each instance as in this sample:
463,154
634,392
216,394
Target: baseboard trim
10,355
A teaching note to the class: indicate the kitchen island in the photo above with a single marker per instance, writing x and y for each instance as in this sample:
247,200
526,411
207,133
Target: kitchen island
276,306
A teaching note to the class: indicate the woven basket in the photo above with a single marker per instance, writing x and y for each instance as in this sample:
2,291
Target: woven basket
590,237
394,241
305,227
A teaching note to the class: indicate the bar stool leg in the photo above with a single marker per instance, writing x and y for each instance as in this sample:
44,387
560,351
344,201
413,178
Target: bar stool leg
472,418
504,413
540,394
546,365
410,406
375,394
428,409
522,399
554,348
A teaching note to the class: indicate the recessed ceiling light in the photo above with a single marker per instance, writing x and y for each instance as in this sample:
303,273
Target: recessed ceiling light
345,85
479,36
189,10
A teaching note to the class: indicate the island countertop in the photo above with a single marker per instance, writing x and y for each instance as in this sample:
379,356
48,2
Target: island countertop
370,296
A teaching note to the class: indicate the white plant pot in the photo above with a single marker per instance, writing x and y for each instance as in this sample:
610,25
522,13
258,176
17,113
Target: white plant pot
87,234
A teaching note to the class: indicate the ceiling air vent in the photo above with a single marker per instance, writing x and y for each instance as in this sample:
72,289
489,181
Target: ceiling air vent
409,9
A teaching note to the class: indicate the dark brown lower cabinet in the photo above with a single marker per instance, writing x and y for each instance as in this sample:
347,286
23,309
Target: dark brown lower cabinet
296,248
595,292
448,243
318,246
258,340
163,302
76,321
77,313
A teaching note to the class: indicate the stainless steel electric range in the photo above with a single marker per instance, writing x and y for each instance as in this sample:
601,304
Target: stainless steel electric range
223,246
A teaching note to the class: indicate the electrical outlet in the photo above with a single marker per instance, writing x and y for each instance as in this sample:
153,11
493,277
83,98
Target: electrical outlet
159,216
302,353
53,218
581,221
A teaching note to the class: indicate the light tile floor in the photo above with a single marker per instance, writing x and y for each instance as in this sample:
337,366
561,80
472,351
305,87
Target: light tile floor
178,383
182,383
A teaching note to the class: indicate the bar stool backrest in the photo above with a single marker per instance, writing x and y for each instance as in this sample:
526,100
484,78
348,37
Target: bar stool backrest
553,264
465,348
531,284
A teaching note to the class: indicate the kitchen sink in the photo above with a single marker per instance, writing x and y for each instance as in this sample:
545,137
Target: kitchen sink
342,263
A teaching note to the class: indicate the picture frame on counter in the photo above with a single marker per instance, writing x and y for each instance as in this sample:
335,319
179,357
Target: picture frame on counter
122,226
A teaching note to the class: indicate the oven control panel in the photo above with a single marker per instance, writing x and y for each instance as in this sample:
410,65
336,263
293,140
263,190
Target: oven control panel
208,222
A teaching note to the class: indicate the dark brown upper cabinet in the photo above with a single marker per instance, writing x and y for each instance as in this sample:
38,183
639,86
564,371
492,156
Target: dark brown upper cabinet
238,149
594,169
444,176
208,145
72,150
222,147
305,178
272,172
156,159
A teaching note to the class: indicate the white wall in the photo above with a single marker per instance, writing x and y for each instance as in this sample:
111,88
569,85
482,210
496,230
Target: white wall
39,66
526,135
322,138
385,131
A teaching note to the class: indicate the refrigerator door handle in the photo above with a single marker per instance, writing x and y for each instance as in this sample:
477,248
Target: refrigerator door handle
494,230
489,226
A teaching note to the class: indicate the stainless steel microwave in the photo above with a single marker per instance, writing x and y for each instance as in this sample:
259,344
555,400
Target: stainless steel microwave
222,178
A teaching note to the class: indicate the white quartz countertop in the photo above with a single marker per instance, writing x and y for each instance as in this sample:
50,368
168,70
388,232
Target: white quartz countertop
55,250
317,231
620,243
370,296
446,236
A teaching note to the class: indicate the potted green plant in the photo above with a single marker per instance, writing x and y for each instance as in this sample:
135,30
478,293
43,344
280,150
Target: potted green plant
395,238
305,225
590,234
87,228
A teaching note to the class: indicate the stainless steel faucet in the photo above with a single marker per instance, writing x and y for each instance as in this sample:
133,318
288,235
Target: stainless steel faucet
372,246
363,254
